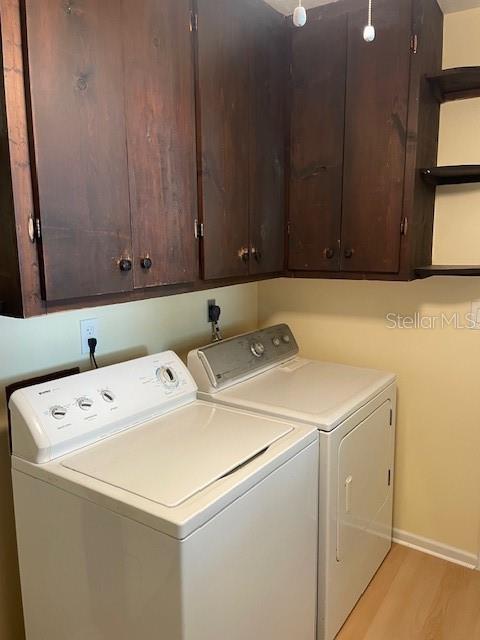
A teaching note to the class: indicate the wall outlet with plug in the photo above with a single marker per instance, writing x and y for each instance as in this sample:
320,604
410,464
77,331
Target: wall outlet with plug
88,329
210,303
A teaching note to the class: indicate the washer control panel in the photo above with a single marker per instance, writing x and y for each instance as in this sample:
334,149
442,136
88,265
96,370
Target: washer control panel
58,417
223,363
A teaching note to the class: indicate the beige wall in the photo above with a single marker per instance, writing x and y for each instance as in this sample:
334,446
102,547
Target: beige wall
32,347
438,455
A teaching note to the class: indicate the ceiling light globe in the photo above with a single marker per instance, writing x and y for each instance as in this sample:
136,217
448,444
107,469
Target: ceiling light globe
299,17
369,33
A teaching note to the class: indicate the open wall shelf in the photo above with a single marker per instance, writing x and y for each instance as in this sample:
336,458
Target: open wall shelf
456,84
447,85
447,270
457,174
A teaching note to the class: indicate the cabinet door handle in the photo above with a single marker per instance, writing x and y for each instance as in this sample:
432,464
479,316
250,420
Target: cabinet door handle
257,254
125,264
146,263
348,253
244,254
329,253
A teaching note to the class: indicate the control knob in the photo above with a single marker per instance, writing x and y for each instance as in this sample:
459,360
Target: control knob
107,395
58,412
167,376
276,341
258,349
85,404
286,338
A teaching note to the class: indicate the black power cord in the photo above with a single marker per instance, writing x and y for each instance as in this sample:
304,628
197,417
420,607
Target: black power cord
92,345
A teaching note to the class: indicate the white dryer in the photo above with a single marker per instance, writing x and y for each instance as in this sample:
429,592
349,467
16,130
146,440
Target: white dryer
354,411
142,512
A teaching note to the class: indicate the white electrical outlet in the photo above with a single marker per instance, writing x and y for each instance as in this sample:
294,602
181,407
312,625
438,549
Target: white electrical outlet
88,329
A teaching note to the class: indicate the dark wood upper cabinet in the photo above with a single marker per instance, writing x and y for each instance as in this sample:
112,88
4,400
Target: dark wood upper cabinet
10,283
113,115
79,157
375,138
223,108
241,76
118,119
151,147
318,75
359,138
160,116
103,130
268,122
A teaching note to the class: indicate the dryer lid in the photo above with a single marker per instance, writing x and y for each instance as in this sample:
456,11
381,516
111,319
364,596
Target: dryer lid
170,459
317,393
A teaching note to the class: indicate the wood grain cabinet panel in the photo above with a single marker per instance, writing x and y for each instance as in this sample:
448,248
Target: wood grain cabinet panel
10,284
363,122
224,98
160,115
119,117
129,127
319,67
80,166
111,88
375,138
241,90
268,123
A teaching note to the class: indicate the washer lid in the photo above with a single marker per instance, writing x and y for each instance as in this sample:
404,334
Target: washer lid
170,459
317,393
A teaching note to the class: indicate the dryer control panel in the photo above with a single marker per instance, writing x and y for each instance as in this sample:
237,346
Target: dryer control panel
224,363
55,418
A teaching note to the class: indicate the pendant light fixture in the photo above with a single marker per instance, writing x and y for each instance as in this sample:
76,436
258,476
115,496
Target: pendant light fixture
299,15
369,31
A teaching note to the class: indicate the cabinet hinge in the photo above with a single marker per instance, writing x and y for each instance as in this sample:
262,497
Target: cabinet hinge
404,227
199,230
389,479
414,43
34,229
289,227
193,21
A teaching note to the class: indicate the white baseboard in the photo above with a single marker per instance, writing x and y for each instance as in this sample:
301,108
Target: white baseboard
437,549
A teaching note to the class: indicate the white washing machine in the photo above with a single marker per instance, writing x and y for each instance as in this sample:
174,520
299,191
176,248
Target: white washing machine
354,411
142,512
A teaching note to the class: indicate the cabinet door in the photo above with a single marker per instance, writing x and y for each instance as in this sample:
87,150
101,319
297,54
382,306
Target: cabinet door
317,128
81,174
224,97
160,114
375,139
269,73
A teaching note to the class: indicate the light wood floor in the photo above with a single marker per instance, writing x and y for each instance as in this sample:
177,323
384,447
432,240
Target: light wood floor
417,597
